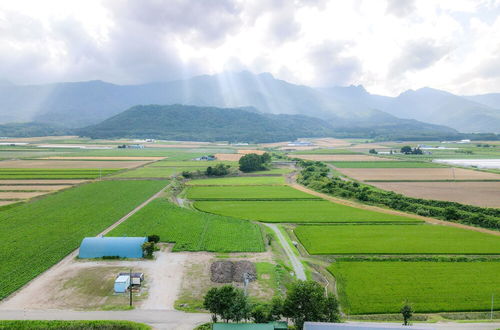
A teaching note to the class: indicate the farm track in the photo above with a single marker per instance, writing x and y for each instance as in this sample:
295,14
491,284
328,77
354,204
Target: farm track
291,181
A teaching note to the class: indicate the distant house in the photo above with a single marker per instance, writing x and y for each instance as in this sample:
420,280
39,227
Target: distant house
300,144
209,157
123,247
356,326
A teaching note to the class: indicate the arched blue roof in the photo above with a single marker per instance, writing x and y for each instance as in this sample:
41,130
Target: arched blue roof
123,247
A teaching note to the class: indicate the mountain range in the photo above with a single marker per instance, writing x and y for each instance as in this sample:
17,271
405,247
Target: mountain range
347,109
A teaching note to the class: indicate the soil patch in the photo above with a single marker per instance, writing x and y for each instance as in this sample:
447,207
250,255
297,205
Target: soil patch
225,271
40,182
396,174
103,158
33,187
349,158
229,157
20,195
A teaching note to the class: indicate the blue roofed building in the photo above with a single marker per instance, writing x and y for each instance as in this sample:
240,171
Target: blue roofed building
123,247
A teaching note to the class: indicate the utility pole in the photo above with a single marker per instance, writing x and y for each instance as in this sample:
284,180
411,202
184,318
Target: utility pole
130,286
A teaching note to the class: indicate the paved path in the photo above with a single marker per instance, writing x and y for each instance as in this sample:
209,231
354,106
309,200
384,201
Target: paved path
298,268
159,319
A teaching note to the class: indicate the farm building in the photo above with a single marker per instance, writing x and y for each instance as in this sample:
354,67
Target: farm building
122,283
123,247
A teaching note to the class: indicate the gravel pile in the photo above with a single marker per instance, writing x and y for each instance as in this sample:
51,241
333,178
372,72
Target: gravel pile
242,267
232,271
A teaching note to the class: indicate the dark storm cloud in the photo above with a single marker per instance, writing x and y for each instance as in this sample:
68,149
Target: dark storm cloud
418,55
400,8
331,66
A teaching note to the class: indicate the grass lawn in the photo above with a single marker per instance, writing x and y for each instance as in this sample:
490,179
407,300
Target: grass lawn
192,230
245,193
156,172
37,234
382,287
395,239
296,211
385,164
239,181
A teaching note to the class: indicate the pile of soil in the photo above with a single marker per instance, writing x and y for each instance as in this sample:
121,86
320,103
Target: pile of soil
232,271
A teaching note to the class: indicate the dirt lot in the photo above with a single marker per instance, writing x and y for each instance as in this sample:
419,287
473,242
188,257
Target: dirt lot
486,194
340,158
250,151
40,182
103,158
88,285
417,174
69,164
229,157
27,187
20,195
2,203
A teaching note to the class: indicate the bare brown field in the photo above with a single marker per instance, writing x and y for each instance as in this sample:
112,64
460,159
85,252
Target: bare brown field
396,174
20,195
349,158
33,187
298,148
101,158
331,142
70,164
41,182
2,203
229,157
486,194
251,151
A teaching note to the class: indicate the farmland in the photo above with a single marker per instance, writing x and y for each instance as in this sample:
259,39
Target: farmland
239,181
385,164
485,194
382,287
56,173
245,193
156,172
192,230
395,239
418,174
69,164
37,234
190,163
324,152
342,158
296,211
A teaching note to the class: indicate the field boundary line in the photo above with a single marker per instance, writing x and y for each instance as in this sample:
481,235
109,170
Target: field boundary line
293,183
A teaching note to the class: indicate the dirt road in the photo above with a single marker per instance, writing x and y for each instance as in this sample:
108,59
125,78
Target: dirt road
298,268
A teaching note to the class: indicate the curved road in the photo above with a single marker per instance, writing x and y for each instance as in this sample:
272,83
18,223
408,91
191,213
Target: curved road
298,268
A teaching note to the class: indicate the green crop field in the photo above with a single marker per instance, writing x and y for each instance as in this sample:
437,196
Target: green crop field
296,211
325,152
56,173
37,234
276,170
156,172
239,181
386,164
246,193
395,239
189,163
382,287
192,230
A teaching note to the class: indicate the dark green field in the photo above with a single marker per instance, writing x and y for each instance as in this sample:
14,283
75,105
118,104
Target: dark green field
246,193
53,173
395,239
192,230
38,234
383,286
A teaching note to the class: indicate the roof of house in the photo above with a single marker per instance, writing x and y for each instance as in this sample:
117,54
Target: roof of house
123,247
121,279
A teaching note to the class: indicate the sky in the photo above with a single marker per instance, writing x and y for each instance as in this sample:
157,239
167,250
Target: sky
388,46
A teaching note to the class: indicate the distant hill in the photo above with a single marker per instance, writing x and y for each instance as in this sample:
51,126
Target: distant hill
85,103
181,123
31,129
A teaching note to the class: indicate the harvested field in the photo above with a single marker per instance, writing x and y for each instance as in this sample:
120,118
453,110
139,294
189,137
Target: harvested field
69,164
341,158
330,142
103,158
386,164
33,187
485,194
40,182
2,203
20,195
229,157
408,174
251,151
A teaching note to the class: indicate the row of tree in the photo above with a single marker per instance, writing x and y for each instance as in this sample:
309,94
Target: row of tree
254,162
305,301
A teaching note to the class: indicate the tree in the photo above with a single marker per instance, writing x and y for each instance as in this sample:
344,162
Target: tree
306,301
407,312
217,170
153,238
148,248
240,308
276,308
260,313
227,302
406,150
250,163
373,151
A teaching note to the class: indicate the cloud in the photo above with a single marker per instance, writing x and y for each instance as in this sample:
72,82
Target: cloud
400,8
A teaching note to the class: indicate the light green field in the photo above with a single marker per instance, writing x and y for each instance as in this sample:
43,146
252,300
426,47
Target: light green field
194,163
239,181
382,287
156,172
325,152
192,230
37,234
395,239
275,171
57,173
245,193
296,211
384,164
171,153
